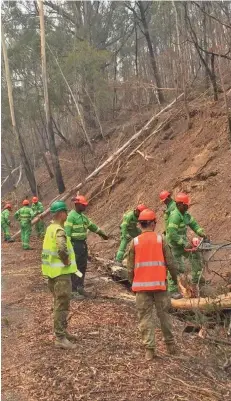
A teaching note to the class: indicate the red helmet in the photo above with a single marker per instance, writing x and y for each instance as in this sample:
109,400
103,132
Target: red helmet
164,195
182,198
34,199
8,206
141,207
25,202
147,215
81,200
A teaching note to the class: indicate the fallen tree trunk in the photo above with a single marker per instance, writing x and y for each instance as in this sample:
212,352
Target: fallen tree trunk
206,304
107,162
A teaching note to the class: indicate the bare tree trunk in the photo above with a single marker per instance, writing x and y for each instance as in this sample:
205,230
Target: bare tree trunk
59,133
44,156
136,51
205,43
151,52
115,91
50,132
8,168
26,162
211,73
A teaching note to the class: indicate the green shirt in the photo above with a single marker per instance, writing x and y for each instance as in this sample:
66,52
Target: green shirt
129,225
177,228
5,217
77,224
37,208
24,215
170,207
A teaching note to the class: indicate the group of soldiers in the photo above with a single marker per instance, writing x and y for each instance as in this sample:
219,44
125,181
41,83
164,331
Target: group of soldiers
24,216
153,260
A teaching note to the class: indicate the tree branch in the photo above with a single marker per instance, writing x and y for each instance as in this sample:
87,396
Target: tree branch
211,16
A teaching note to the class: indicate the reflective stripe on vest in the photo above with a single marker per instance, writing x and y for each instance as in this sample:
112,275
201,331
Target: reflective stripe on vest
52,265
152,263
149,284
150,268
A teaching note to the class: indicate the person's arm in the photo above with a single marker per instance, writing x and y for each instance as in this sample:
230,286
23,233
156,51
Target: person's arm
7,217
169,260
40,208
17,215
131,261
33,214
124,226
172,231
195,226
95,229
68,226
61,242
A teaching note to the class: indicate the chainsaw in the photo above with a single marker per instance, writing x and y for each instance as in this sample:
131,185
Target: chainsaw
206,245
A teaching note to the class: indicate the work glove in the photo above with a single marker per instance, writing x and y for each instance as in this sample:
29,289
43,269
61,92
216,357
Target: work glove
206,238
104,236
190,248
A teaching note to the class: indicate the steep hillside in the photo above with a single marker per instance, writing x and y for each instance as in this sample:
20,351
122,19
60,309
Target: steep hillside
196,160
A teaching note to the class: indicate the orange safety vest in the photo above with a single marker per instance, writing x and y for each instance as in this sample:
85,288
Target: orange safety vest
150,273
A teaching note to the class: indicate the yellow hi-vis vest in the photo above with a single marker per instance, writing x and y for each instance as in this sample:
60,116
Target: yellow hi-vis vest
52,266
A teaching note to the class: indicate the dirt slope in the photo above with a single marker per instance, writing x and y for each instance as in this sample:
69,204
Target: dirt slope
195,160
108,363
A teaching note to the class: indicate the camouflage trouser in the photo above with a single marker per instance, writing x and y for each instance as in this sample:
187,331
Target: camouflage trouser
6,229
180,256
61,290
145,301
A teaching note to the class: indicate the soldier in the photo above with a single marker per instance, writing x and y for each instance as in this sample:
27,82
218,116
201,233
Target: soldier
5,222
58,263
149,257
38,208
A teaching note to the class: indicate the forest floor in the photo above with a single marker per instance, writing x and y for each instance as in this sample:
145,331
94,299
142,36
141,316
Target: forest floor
108,363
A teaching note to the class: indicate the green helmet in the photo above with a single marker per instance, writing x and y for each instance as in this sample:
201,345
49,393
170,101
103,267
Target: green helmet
58,206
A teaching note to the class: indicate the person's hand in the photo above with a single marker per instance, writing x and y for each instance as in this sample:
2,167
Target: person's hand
67,262
190,249
104,236
206,238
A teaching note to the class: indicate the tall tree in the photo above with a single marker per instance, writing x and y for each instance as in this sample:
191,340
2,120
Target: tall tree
26,162
50,131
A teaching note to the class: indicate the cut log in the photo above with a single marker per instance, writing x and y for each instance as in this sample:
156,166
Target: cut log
206,304
107,162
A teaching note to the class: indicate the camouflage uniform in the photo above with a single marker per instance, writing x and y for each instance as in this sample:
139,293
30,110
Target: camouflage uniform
145,300
61,289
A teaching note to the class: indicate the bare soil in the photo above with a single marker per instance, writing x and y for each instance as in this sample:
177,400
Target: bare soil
108,363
